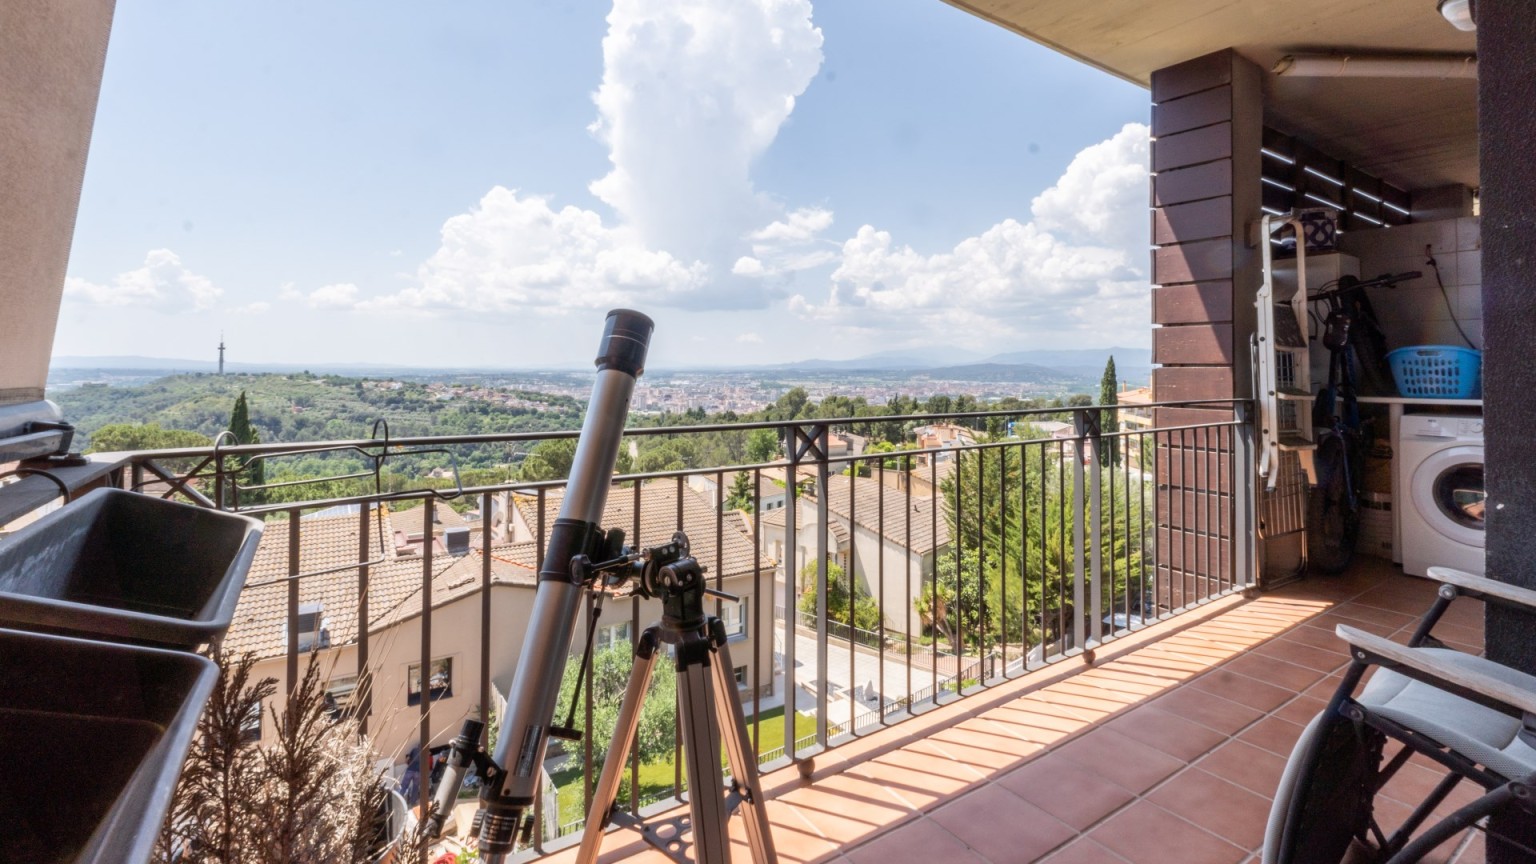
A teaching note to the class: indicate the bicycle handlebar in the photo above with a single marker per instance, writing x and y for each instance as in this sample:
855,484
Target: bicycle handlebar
1350,283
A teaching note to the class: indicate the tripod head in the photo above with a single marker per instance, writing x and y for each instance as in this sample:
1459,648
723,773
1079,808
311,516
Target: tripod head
666,572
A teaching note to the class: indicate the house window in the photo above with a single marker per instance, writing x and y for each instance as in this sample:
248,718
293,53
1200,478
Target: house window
741,676
313,628
613,634
440,681
250,727
341,697
734,617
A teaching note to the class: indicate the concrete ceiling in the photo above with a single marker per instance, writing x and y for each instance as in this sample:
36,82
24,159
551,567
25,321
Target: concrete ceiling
1415,133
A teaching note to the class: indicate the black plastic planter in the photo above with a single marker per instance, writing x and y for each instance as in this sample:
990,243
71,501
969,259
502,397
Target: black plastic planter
124,566
94,734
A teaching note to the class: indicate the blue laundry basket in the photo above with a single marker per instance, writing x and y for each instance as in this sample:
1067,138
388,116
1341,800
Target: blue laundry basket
1437,371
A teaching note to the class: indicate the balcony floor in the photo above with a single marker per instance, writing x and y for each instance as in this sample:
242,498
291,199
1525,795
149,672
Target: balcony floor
1167,749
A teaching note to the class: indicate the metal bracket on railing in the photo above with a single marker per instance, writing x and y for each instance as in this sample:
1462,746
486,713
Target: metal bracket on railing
18,472
376,454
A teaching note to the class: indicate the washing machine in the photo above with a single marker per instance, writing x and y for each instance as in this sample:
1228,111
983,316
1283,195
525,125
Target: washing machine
1440,492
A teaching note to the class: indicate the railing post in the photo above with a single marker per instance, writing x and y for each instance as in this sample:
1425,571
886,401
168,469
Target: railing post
1244,484
1086,423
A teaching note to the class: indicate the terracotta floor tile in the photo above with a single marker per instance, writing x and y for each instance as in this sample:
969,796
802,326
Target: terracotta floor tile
1034,721
1147,834
1121,760
846,808
1225,809
1300,710
1071,792
1001,826
1280,673
1208,710
1307,656
1272,734
1183,739
1084,851
982,762
921,842
915,787
1241,688
1247,766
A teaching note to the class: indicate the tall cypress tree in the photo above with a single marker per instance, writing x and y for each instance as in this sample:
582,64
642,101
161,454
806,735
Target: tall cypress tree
1109,418
240,426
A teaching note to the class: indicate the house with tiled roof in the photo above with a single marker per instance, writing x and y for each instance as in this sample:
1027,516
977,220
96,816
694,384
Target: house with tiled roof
321,614
721,541
887,538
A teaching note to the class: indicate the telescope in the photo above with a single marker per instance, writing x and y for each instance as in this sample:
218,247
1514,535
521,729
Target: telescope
511,780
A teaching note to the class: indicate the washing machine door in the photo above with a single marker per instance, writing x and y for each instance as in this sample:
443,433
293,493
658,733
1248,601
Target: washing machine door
1448,493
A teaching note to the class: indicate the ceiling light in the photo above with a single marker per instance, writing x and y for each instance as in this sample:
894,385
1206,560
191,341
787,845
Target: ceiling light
1461,13
1377,65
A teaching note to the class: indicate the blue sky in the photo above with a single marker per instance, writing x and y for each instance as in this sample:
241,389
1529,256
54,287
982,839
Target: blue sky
475,183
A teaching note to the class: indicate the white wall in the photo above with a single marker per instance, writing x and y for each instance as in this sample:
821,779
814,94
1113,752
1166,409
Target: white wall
1415,313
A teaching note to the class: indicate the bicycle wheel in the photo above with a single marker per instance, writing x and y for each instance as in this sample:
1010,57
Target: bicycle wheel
1332,524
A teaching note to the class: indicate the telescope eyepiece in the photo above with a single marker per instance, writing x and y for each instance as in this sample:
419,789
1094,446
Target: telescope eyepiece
626,337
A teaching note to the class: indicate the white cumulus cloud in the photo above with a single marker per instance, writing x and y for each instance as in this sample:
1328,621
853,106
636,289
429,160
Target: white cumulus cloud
339,296
162,282
515,253
693,92
1079,267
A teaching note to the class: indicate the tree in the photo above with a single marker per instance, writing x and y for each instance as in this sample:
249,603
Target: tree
117,437
742,495
244,432
1109,418
845,605
548,460
762,446
609,675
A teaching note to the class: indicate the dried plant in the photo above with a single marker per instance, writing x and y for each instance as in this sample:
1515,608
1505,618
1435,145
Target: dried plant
313,795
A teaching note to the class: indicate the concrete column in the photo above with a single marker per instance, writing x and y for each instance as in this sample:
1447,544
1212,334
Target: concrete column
1506,30
51,58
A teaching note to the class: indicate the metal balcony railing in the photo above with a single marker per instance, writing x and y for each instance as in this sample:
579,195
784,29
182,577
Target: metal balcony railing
877,585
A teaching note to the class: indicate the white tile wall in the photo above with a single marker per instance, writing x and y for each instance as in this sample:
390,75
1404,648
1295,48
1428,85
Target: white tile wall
1415,312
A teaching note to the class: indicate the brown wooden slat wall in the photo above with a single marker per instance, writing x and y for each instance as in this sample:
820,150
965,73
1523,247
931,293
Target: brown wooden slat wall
1207,127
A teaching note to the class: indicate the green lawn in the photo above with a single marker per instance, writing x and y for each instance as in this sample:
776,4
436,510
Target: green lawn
658,777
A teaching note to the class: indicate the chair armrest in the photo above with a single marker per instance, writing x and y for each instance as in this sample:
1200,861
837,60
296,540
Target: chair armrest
1461,678
1483,588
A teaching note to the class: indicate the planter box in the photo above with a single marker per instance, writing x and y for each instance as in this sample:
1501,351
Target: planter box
124,566
95,734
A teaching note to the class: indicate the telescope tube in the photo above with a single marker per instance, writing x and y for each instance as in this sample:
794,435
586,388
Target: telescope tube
536,681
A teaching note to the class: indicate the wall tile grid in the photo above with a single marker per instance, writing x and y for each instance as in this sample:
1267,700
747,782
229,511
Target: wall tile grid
1415,312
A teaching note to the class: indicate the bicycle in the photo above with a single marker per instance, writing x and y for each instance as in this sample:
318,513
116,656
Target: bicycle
1353,336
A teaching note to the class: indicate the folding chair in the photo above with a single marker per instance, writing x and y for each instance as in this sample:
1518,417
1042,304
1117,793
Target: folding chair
1474,717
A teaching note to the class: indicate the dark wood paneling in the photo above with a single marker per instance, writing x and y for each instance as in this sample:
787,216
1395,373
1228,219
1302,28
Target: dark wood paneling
1193,343
1168,417
1188,383
1176,588
1192,76
1211,180
1192,262
1190,552
1189,472
1199,220
1192,112
1190,304
1191,148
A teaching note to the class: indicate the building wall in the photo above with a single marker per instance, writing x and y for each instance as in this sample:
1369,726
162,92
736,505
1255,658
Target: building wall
1415,312
394,725
1207,128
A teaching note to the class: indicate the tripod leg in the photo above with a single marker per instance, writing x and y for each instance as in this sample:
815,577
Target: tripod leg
701,750
618,751
733,728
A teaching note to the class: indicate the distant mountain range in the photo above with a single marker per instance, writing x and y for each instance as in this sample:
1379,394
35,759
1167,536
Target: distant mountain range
1040,365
